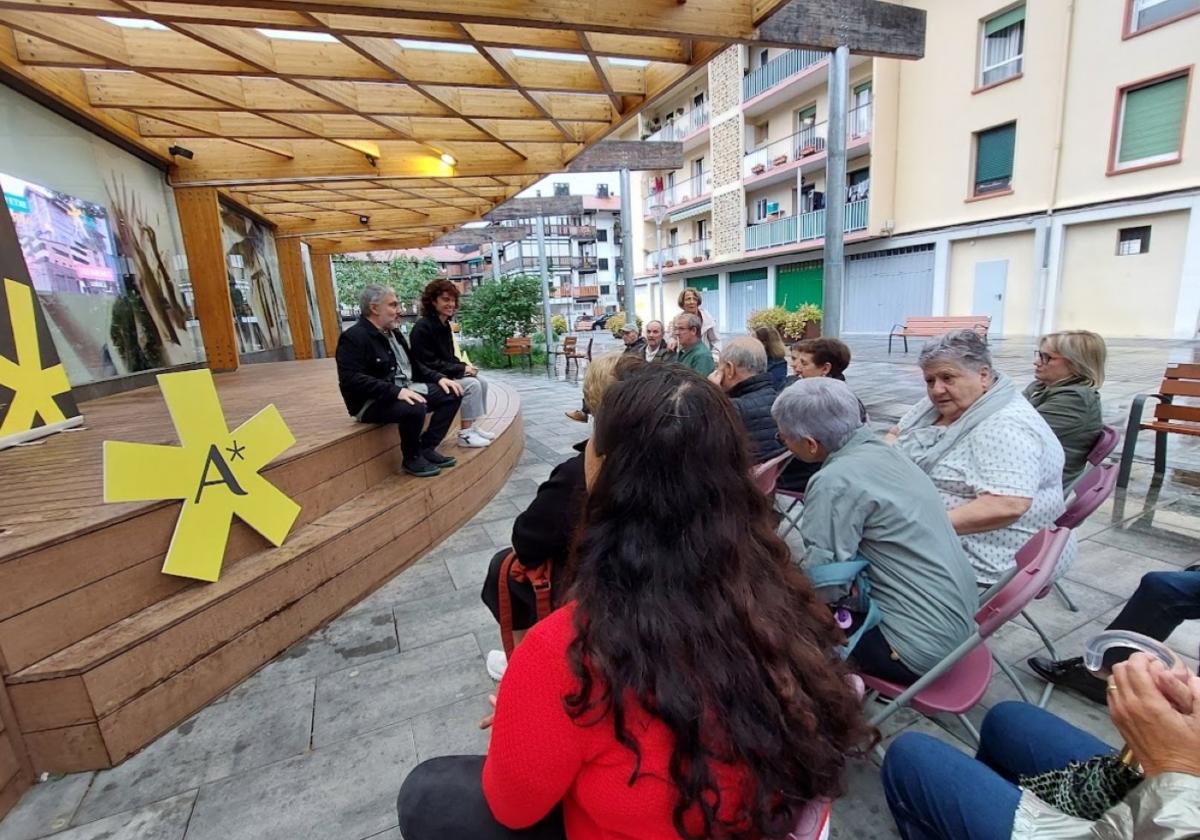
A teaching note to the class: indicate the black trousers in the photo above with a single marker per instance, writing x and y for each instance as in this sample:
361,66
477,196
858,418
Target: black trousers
442,799
410,418
873,655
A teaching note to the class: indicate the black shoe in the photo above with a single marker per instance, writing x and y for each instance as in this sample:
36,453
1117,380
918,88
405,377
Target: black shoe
420,467
443,462
1070,673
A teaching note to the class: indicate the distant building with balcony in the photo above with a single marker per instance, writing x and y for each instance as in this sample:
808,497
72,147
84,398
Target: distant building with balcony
466,266
1036,166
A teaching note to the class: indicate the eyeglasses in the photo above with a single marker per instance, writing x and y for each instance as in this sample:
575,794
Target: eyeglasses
1044,358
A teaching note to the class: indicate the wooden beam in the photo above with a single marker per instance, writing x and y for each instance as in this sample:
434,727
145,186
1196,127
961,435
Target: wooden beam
325,223
600,67
482,236
528,208
867,27
295,296
200,221
635,155
331,319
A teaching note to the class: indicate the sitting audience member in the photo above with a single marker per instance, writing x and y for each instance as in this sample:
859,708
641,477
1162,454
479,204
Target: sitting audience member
690,351
689,301
634,343
869,502
1068,367
690,687
656,342
994,460
938,792
777,365
433,345
1162,601
382,382
542,533
742,374
814,357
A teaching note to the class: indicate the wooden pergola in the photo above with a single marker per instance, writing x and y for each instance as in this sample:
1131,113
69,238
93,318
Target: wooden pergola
358,125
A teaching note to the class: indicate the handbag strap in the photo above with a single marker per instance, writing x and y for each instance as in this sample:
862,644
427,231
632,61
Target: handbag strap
505,603
511,571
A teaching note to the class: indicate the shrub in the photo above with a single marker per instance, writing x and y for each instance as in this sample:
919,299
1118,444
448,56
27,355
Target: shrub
617,321
775,316
559,322
500,309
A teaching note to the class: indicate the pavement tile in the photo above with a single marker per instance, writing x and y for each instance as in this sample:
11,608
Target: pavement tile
166,819
427,577
453,729
467,538
1112,569
46,808
468,570
440,617
495,509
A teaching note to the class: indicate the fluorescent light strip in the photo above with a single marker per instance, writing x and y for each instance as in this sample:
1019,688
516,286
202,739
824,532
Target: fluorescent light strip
133,23
550,56
297,35
436,46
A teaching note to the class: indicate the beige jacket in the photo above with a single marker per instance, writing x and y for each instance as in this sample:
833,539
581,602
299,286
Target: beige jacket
1166,807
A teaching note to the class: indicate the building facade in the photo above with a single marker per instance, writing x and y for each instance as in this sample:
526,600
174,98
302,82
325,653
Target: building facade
1037,166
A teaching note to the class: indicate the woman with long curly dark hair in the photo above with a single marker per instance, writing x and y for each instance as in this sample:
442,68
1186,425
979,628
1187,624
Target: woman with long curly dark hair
689,687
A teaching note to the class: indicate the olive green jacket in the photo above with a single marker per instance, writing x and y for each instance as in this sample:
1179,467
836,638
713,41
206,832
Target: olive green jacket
1072,411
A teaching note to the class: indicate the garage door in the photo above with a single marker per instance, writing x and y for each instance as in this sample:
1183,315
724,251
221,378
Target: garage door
885,287
799,283
747,292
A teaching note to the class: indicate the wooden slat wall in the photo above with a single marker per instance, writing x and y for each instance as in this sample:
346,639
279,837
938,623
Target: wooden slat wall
200,221
295,296
331,319
16,774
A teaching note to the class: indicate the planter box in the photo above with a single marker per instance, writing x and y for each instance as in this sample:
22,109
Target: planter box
812,329
779,160
683,261
808,150
669,264
758,169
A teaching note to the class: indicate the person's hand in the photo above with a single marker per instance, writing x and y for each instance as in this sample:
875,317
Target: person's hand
487,721
409,396
672,344
1163,738
450,386
472,370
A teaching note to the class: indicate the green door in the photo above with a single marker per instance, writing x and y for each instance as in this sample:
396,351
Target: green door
707,283
799,283
708,286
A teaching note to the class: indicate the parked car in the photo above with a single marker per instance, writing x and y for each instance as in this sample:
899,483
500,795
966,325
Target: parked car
583,323
601,322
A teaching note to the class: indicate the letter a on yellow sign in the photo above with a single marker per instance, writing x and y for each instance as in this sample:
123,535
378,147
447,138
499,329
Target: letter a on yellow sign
214,471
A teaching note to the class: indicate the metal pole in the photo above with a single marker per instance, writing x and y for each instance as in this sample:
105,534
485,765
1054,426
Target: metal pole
835,193
662,313
627,249
548,327
495,260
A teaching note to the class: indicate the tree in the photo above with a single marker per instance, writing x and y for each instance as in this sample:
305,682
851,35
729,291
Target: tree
511,306
407,275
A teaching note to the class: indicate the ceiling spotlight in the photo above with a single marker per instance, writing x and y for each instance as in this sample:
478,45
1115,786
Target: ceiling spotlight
448,159
364,220
180,151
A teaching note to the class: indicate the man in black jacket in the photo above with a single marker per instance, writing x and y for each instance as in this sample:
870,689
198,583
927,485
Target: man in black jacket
382,382
743,375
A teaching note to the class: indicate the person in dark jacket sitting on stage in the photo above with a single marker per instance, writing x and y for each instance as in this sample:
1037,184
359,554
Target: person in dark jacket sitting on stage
743,375
543,532
381,382
433,345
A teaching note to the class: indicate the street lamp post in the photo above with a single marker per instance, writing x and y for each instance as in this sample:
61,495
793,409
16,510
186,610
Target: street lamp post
659,209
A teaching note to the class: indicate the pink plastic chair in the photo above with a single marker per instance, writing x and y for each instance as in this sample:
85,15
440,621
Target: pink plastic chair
793,519
960,680
765,475
1091,490
1104,446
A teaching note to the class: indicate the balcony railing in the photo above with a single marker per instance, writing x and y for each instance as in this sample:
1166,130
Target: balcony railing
574,231
681,193
806,142
777,69
681,126
802,228
683,254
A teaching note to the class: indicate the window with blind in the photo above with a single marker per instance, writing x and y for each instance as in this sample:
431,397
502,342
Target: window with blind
1003,49
1150,126
994,158
1144,14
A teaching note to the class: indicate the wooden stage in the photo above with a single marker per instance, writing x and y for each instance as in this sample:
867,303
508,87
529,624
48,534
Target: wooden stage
100,652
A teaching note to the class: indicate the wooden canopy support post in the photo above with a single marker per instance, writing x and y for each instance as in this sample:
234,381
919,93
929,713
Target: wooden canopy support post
200,221
295,296
331,318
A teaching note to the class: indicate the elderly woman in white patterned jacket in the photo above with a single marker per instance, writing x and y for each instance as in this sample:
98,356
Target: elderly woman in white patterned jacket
995,462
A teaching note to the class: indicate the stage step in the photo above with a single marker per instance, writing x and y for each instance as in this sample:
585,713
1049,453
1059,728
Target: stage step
98,700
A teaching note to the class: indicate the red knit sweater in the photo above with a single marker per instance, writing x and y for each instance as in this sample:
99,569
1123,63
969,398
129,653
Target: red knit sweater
540,756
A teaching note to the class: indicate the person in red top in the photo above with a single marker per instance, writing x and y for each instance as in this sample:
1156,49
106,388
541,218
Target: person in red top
689,686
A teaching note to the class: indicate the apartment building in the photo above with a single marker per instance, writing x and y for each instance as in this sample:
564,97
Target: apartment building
1035,166
582,253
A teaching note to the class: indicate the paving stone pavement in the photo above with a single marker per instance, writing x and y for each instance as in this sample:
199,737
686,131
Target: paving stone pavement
316,744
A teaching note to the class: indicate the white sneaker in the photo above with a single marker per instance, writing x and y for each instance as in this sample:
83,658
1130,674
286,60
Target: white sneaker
472,439
497,664
483,433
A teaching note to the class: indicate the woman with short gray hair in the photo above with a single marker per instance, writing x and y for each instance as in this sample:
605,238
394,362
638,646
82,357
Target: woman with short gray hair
995,462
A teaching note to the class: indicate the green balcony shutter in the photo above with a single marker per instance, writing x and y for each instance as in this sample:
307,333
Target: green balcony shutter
1004,21
994,153
1153,120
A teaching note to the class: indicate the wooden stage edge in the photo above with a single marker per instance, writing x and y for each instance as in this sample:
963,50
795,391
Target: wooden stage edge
101,653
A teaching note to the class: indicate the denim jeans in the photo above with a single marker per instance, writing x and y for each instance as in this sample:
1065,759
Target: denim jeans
937,792
1162,601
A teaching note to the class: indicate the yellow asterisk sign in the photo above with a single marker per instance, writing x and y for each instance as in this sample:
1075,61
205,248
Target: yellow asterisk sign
34,385
214,471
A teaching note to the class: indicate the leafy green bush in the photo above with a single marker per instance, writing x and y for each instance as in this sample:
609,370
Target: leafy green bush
492,356
500,309
559,322
617,321
775,316
789,324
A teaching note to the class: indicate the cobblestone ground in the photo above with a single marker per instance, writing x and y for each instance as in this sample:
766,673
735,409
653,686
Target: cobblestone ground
317,743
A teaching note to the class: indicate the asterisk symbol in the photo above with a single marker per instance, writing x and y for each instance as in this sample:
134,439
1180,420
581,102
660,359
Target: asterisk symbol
212,489
35,387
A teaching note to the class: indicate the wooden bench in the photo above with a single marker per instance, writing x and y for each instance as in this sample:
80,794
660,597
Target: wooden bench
520,348
1181,380
927,326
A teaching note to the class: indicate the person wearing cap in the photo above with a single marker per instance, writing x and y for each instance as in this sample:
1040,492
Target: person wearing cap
632,336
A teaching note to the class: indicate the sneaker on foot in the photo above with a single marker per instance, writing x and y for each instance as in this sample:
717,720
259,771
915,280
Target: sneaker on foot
472,439
484,433
438,459
577,415
420,467
497,664
1071,673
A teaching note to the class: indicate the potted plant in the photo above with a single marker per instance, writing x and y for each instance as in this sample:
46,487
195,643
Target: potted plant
811,315
779,160
758,169
683,260
810,149
669,264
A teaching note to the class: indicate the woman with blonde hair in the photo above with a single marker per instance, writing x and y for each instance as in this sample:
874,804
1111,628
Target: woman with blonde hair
1068,368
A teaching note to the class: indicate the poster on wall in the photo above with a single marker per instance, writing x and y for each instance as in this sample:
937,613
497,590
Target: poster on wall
101,277
252,265
35,394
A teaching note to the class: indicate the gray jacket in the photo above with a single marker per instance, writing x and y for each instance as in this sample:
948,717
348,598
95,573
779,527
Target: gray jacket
1166,807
